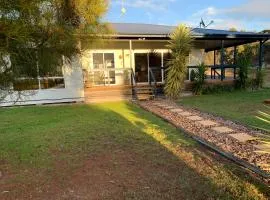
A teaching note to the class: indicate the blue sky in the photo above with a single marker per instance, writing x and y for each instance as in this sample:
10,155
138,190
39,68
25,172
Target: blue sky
250,15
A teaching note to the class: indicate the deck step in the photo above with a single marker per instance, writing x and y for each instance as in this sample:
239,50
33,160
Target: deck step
142,97
145,92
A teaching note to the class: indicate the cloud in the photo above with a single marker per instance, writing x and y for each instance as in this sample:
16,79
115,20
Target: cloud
249,15
154,5
252,9
210,11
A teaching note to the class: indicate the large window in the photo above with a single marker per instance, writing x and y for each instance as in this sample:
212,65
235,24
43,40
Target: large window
104,68
37,70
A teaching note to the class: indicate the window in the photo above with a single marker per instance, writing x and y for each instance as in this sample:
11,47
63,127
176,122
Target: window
41,73
104,68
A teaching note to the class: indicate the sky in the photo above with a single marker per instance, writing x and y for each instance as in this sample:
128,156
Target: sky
248,15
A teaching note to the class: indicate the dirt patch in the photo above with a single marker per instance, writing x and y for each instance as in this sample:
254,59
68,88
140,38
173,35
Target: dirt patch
119,174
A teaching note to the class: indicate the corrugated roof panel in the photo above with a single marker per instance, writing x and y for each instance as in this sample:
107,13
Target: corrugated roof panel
151,29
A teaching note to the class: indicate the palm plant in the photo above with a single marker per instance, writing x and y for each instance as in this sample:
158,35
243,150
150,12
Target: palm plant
264,117
180,45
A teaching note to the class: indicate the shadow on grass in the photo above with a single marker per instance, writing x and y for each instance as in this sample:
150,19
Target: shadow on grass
174,167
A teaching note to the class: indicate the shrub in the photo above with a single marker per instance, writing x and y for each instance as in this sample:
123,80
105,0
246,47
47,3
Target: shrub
214,89
199,79
260,74
244,63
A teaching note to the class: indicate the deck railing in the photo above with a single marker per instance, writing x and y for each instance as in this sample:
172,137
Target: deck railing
109,76
217,71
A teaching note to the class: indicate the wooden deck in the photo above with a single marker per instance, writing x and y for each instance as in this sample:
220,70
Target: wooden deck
118,93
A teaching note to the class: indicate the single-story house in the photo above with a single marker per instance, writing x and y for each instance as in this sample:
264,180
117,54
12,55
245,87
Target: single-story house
135,56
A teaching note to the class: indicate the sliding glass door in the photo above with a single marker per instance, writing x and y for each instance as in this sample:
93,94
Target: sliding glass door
146,61
155,64
103,68
141,67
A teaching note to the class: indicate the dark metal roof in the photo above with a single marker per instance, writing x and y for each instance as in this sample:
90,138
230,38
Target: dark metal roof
163,31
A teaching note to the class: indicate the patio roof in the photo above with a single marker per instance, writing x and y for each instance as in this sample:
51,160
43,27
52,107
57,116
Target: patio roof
162,32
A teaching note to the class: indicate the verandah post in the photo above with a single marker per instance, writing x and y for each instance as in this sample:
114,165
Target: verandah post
214,65
214,58
260,55
222,60
234,61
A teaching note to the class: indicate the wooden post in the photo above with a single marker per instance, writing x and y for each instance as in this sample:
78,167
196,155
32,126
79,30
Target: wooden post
260,55
234,61
214,58
130,54
214,65
222,60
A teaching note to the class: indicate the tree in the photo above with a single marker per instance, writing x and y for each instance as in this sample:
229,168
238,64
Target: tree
233,29
180,45
41,32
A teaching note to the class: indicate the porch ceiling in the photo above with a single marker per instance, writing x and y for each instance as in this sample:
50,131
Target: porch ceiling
211,45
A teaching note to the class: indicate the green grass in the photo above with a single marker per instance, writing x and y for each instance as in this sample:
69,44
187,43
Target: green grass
58,146
240,106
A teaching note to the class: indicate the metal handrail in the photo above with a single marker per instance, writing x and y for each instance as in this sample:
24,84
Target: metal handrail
152,76
217,66
133,79
215,72
133,83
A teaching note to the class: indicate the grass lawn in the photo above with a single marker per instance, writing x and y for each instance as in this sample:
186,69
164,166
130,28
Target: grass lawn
110,151
241,106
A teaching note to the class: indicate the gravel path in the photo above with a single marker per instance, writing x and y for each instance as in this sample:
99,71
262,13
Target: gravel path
214,130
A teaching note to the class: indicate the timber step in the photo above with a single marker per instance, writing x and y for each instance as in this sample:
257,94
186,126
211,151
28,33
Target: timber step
143,97
144,93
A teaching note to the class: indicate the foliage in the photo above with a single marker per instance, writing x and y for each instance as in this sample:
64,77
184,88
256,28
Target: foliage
40,32
260,75
215,89
180,45
244,63
192,75
257,79
264,116
199,79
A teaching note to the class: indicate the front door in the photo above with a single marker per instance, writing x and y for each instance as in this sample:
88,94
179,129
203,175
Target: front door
141,67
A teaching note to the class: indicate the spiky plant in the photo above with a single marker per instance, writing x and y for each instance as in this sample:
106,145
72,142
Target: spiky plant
180,45
265,139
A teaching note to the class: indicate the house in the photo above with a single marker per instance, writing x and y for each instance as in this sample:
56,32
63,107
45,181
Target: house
131,62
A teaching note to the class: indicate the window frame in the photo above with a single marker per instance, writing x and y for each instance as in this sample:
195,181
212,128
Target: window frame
40,78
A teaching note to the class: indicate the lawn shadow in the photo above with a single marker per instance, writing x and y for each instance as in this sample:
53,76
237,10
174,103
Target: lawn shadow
230,175
115,151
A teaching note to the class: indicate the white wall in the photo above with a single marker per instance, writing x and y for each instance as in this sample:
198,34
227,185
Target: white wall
122,57
73,91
